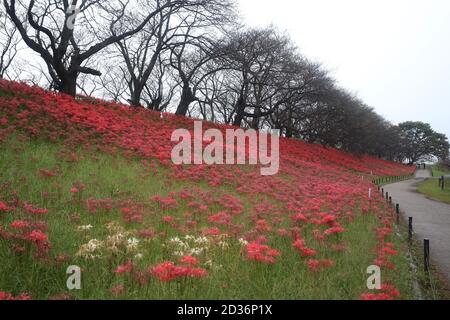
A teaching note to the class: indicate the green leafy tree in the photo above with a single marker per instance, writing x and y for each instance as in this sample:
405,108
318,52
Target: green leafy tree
419,142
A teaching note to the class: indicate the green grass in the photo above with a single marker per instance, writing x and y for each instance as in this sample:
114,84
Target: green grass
431,189
231,276
439,171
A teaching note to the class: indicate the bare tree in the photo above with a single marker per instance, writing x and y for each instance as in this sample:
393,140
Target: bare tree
142,53
67,33
114,84
217,101
9,43
267,74
193,55
193,68
159,91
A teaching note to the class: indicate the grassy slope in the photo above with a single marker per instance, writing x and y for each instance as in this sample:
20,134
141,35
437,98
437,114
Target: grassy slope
120,180
432,190
106,176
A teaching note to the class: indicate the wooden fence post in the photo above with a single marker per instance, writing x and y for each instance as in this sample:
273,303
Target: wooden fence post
410,229
397,210
426,254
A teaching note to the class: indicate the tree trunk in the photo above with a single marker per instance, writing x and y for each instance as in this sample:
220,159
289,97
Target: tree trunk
255,120
187,97
240,108
289,132
69,85
135,98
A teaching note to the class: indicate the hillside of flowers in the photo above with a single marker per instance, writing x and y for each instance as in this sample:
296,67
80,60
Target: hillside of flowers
89,183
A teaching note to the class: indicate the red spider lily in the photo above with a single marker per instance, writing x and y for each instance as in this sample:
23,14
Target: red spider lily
189,260
333,230
300,245
222,218
383,256
166,203
95,205
261,239
390,251
391,290
33,210
168,271
299,217
233,204
327,263
125,210
375,296
321,194
108,119
125,268
168,219
132,215
184,194
282,232
40,239
19,224
9,296
37,237
4,207
315,265
146,234
307,252
262,226
46,173
117,290
198,206
382,233
262,253
327,219
318,235
387,292
212,232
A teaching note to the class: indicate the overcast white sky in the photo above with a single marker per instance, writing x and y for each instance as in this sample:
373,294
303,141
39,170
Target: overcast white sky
394,54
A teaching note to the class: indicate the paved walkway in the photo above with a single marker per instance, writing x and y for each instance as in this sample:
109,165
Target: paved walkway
431,219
